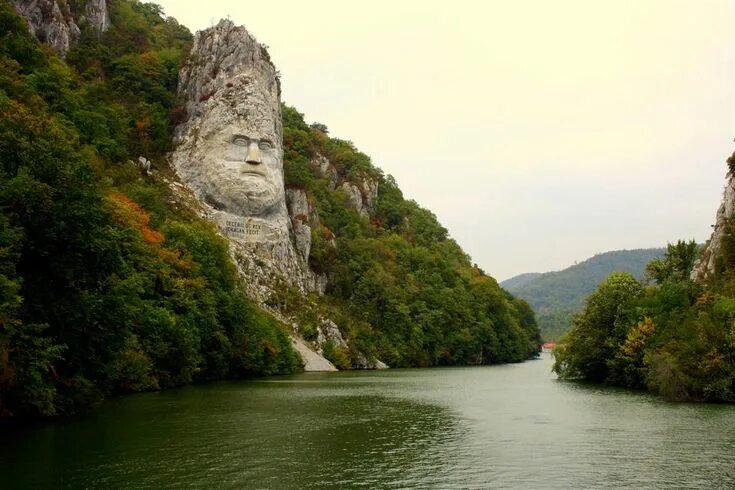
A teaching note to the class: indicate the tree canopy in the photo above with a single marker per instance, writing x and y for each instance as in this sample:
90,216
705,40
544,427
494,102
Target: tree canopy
557,296
674,337
404,291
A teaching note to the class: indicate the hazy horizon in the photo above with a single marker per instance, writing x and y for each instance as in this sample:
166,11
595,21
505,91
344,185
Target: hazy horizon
540,134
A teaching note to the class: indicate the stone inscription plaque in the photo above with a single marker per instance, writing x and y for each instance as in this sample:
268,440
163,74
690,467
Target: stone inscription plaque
243,229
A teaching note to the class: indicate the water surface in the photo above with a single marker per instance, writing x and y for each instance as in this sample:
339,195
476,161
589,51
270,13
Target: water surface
511,426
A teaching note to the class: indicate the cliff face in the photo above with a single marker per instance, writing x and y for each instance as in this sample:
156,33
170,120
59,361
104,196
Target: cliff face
229,152
362,197
96,15
53,22
339,215
705,266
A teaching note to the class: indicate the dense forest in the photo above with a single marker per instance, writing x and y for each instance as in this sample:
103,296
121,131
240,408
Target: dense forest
107,285
110,284
403,290
675,337
556,296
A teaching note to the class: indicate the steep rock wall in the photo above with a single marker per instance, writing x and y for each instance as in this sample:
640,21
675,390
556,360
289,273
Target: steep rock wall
52,21
705,266
229,153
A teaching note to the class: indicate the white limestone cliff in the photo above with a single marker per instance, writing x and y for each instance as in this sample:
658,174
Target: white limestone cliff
228,151
325,170
705,266
52,21
300,212
96,15
362,197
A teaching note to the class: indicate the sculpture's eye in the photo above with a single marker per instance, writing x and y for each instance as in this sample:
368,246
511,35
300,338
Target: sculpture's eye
265,145
240,141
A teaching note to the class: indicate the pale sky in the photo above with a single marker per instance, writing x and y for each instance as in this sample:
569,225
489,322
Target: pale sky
539,132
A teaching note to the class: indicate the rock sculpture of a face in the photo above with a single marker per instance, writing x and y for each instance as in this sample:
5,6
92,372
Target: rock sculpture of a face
228,149
235,158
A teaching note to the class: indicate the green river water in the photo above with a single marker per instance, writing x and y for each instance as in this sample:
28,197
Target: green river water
511,426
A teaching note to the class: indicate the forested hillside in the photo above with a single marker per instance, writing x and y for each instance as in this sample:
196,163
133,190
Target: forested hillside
107,284
403,290
520,280
110,283
556,296
675,338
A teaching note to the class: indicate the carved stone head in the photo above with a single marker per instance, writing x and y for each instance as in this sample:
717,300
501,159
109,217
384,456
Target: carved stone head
229,149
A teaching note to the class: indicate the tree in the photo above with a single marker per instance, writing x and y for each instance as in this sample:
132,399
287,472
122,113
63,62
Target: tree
598,331
676,265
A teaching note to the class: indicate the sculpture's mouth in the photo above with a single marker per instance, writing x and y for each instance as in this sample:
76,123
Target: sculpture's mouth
250,170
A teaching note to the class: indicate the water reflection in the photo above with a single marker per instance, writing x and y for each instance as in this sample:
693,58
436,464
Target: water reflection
502,427
292,433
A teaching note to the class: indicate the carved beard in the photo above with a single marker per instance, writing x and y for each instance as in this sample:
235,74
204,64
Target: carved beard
244,196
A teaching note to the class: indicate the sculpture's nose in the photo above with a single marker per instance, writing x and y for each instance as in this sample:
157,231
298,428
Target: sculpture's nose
253,156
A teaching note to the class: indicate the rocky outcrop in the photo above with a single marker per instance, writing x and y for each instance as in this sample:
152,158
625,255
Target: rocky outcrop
362,197
324,169
144,165
228,67
354,197
49,23
311,360
328,331
705,266
362,362
228,151
96,16
300,213
52,22
369,194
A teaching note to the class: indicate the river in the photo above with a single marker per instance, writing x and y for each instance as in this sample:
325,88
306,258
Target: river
512,426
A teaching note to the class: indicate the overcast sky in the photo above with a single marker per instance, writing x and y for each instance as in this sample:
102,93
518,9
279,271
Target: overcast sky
540,133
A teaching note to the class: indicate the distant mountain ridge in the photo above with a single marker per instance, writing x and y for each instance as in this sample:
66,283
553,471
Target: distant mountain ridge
556,296
520,280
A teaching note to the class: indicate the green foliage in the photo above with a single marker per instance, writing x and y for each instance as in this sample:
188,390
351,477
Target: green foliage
554,323
557,296
106,286
676,265
589,344
16,43
131,71
676,338
339,356
403,291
